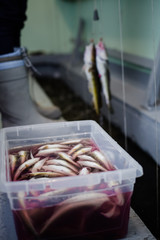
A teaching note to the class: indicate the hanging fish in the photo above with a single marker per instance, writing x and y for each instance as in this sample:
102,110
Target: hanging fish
91,72
104,73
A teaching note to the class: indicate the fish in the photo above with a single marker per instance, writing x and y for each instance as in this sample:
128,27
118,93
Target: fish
62,163
13,160
23,156
39,165
87,199
110,211
112,208
104,73
31,154
102,159
52,146
23,166
24,214
75,148
92,165
59,169
43,175
52,193
92,75
86,158
119,196
81,151
70,142
68,158
47,152
40,175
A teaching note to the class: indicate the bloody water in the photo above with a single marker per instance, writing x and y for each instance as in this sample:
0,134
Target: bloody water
86,221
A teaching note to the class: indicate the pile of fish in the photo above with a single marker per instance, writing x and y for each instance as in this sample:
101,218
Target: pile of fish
96,67
58,159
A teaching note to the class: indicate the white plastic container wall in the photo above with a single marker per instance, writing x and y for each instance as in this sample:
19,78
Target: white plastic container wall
91,205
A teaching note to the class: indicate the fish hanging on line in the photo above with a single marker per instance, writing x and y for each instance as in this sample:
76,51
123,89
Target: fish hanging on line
91,72
104,73
96,67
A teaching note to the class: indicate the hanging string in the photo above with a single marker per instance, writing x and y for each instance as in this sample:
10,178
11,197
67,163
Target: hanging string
57,36
101,31
123,80
95,18
101,117
58,29
101,26
93,32
156,116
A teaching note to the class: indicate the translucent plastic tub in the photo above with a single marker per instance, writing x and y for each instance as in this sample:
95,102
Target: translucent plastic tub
89,206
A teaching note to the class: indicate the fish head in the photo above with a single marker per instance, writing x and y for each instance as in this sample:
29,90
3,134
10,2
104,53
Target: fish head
101,51
88,53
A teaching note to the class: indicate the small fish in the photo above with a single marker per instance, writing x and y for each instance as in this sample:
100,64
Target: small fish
85,171
70,142
13,159
48,152
24,214
24,165
68,158
81,151
104,74
81,200
31,154
52,146
40,175
37,166
45,196
92,165
119,196
102,159
110,211
75,148
59,169
86,158
91,72
62,163
23,156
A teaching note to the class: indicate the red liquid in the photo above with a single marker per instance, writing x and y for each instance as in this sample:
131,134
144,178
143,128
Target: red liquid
86,221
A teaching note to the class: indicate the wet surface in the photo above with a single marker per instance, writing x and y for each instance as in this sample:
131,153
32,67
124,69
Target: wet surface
146,196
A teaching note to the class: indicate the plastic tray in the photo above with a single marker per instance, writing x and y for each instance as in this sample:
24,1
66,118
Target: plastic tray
72,206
